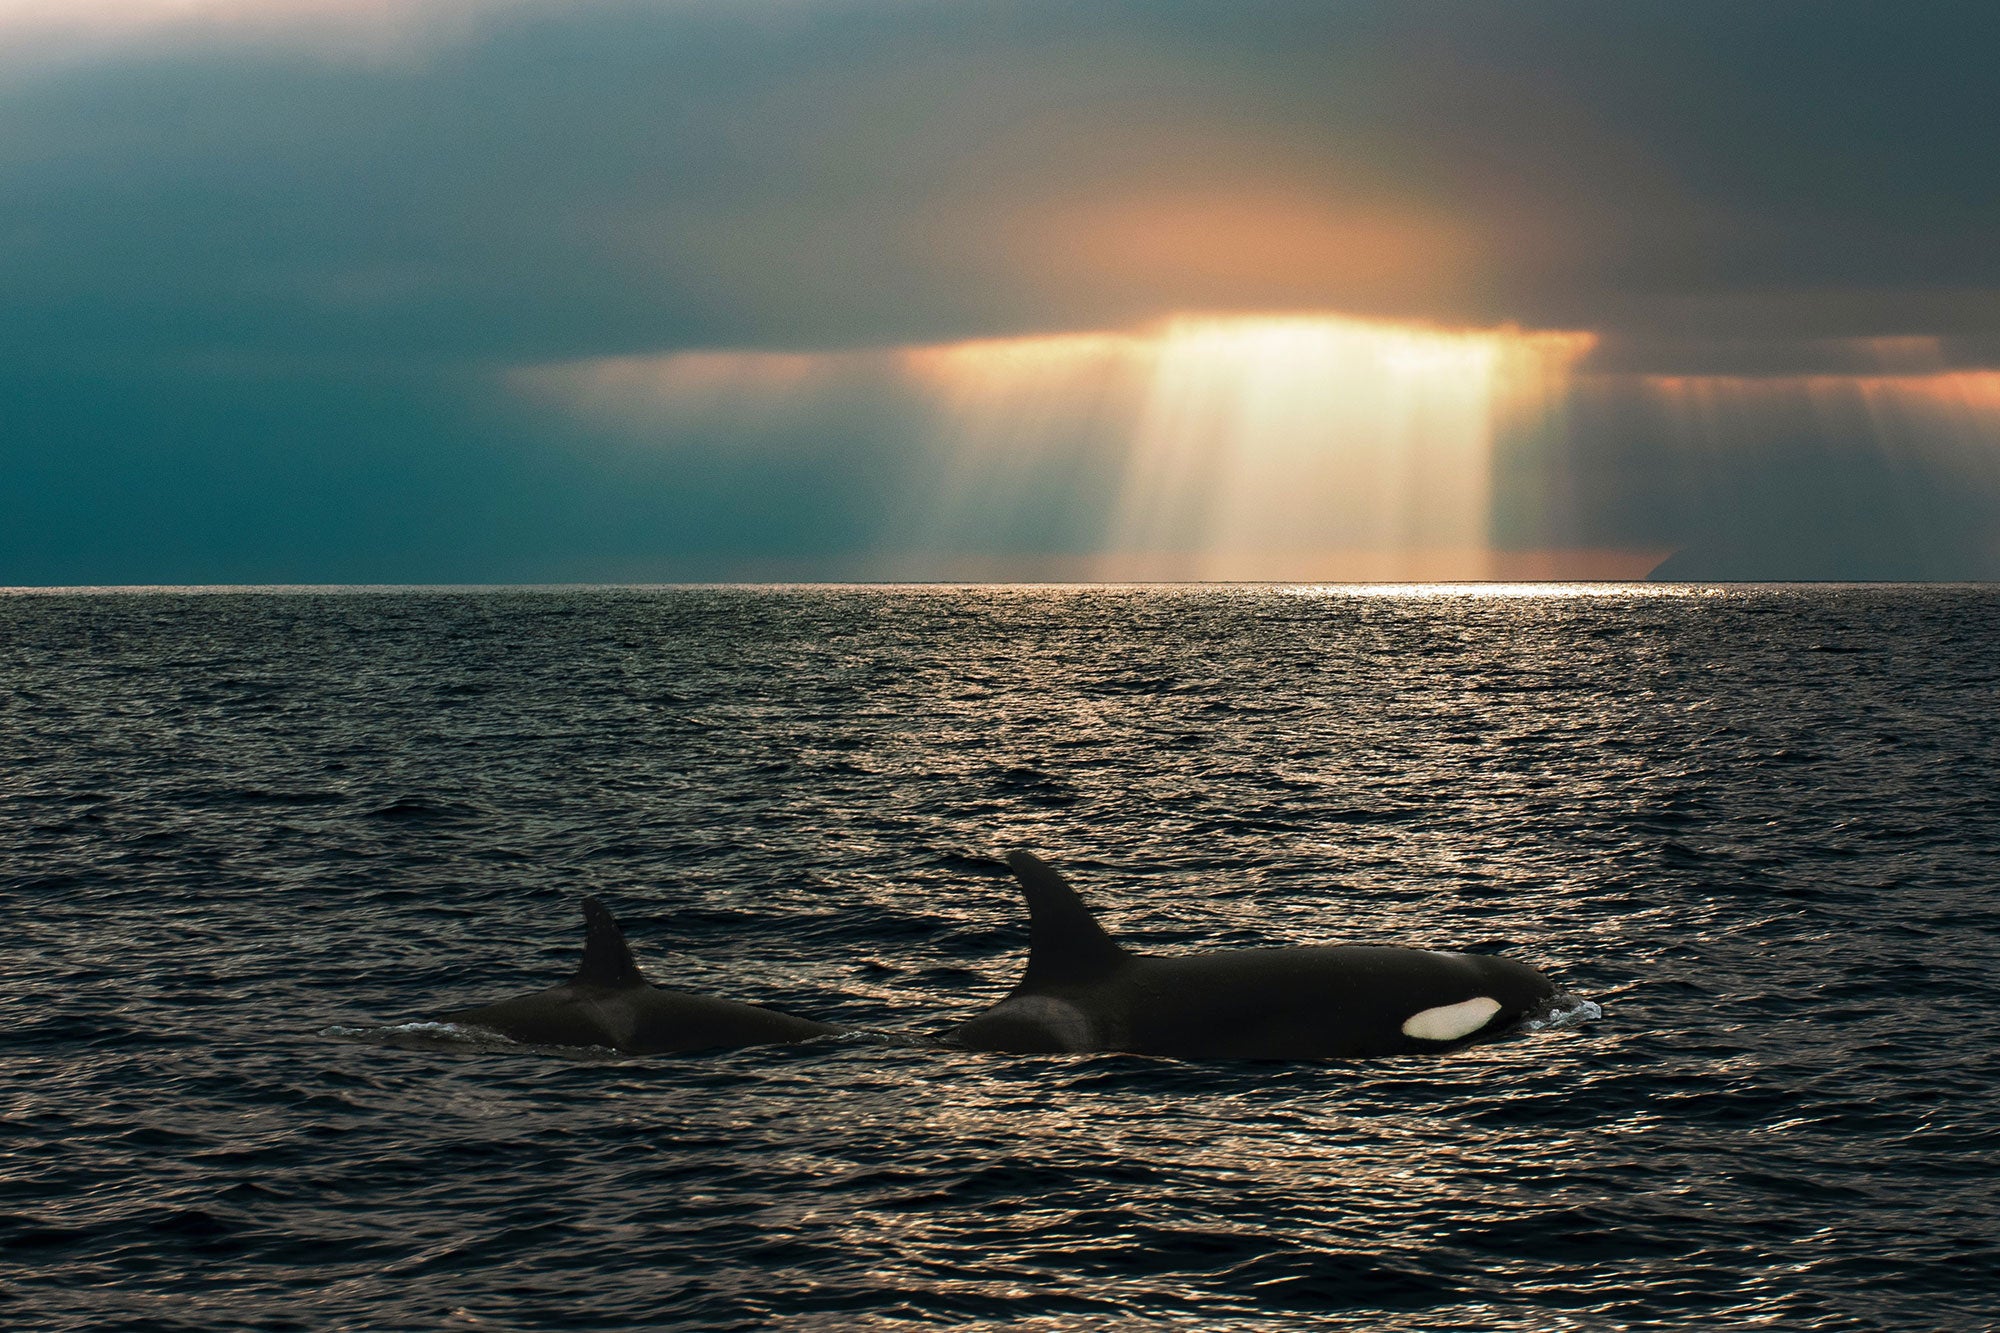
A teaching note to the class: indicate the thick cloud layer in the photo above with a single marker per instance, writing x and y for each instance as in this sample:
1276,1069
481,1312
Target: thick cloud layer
583,179
284,259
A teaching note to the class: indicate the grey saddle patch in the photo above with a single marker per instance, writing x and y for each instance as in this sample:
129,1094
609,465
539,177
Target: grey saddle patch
1069,1028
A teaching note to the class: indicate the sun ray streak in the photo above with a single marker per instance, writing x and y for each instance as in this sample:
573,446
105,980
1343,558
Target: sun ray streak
1901,470
1301,444
1296,446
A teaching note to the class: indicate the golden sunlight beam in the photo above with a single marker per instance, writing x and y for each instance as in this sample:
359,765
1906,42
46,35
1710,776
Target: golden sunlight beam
1004,416
1269,447
1873,476
1947,419
1335,441
1259,447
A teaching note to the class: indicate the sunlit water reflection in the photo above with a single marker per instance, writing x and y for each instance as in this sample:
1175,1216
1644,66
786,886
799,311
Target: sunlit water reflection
1756,825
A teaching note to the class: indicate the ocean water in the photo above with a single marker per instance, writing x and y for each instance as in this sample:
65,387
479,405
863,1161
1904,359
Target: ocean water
245,835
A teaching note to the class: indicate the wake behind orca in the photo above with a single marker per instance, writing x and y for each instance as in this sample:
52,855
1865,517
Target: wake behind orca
609,1003
1083,991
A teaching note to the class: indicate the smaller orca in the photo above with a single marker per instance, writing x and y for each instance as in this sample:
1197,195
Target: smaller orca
1083,991
609,1003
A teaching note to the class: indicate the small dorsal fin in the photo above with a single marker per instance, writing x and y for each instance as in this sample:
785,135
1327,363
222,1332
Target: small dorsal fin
1065,943
607,960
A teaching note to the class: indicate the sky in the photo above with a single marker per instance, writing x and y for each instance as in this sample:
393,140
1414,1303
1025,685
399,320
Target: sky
313,291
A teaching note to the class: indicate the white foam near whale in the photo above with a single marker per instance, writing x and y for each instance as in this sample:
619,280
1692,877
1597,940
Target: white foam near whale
1564,1011
419,1028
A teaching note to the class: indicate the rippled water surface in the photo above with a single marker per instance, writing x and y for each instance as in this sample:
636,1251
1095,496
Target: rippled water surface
241,830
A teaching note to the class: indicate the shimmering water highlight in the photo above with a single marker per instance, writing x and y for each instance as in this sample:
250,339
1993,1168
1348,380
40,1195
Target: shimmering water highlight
1756,825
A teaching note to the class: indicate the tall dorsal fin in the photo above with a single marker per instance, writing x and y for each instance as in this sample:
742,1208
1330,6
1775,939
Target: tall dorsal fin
1065,943
607,959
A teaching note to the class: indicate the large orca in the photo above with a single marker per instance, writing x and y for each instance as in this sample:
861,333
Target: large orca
1085,992
609,1003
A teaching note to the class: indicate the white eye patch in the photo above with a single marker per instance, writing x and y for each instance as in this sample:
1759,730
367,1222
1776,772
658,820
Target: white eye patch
1449,1022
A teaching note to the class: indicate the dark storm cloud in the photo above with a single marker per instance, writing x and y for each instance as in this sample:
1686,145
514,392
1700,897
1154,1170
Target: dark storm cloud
596,178
574,181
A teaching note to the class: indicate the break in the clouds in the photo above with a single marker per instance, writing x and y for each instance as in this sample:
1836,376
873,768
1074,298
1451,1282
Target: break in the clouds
517,289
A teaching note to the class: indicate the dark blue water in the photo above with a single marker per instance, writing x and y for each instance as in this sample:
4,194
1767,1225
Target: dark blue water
241,831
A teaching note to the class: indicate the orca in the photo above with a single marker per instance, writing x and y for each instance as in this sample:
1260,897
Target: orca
609,1003
1083,991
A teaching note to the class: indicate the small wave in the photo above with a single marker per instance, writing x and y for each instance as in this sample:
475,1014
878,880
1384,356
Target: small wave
1357,815
431,1035
264,796
951,858
414,809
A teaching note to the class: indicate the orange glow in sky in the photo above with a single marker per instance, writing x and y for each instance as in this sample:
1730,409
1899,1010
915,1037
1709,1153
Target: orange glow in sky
1266,446
1255,243
1282,446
